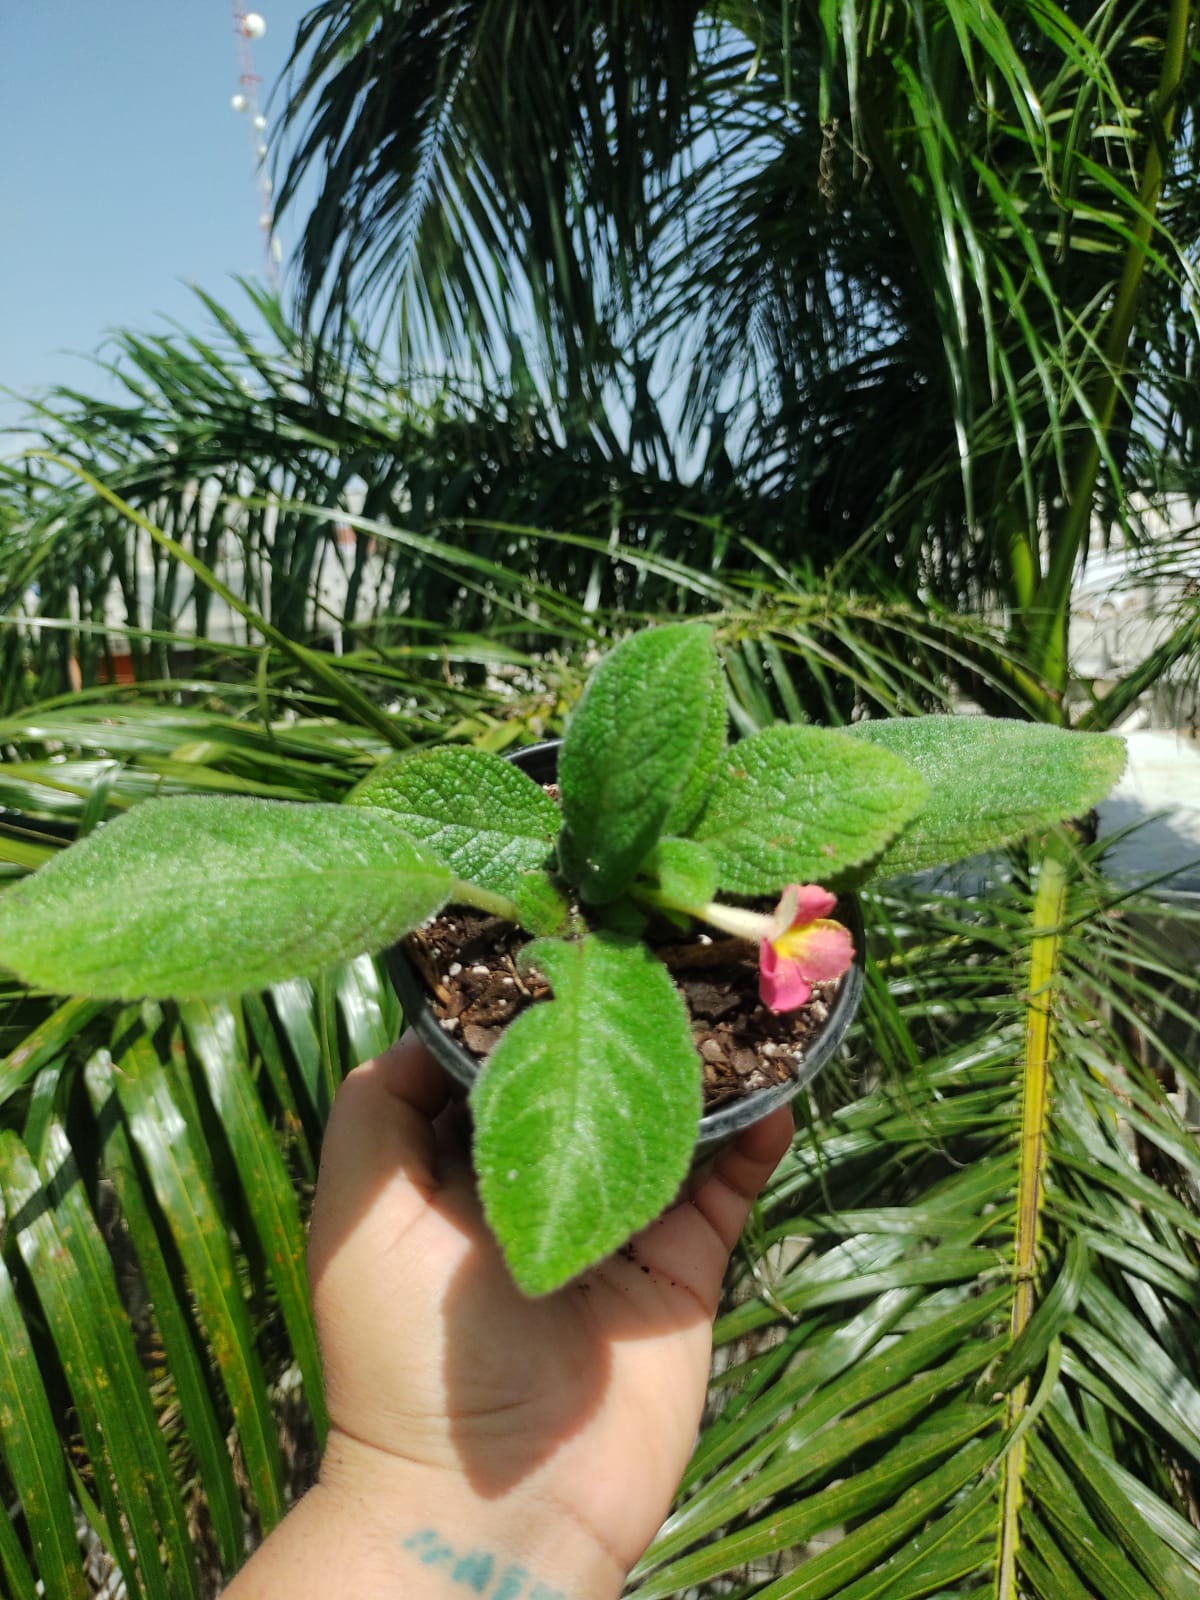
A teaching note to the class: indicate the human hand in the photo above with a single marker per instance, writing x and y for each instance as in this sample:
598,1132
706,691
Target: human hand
463,1412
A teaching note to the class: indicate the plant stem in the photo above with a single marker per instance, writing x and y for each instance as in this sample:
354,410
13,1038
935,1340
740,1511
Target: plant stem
1048,915
742,924
496,905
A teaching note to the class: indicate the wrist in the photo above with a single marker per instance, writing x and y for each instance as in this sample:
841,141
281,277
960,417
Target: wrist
430,1531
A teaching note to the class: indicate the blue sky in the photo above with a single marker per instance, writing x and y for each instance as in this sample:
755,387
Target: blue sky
124,173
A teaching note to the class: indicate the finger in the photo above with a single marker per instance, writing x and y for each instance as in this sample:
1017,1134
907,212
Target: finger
408,1073
454,1130
739,1174
690,1244
381,1127
452,1159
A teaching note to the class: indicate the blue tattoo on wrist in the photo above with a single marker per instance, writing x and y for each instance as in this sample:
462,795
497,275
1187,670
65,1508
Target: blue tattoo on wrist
477,1570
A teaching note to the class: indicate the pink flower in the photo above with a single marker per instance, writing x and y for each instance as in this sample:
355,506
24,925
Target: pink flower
803,946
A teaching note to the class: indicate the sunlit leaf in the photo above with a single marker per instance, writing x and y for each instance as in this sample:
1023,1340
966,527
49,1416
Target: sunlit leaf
203,898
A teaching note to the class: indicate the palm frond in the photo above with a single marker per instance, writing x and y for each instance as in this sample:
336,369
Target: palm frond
918,272
888,1424
422,130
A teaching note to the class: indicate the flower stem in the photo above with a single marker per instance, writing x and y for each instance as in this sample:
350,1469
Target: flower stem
743,924
496,905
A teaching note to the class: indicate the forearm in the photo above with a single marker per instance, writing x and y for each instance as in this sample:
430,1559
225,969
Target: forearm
382,1530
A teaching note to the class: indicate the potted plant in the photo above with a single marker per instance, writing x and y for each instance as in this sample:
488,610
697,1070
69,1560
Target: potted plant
658,832
461,983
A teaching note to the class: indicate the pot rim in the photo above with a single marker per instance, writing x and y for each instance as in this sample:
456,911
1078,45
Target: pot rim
715,1126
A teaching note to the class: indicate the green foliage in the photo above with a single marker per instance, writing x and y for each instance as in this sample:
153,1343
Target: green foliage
639,754
541,904
873,1407
930,276
484,818
882,1288
155,1260
929,273
64,1253
990,782
405,524
684,870
201,898
800,805
606,1068
178,1147
713,718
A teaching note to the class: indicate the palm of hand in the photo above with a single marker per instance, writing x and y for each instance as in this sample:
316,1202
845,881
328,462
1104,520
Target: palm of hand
589,1397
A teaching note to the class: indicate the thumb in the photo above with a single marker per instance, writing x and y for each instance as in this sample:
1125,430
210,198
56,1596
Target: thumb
379,1142
691,1242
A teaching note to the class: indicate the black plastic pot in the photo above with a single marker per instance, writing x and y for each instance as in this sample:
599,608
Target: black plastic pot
540,761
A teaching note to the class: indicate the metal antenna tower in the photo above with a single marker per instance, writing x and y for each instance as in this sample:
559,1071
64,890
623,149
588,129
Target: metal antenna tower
249,26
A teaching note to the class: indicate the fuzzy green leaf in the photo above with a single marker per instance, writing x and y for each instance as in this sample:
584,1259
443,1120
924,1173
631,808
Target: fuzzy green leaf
991,781
692,797
587,1110
542,907
483,817
639,753
199,897
686,871
797,805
